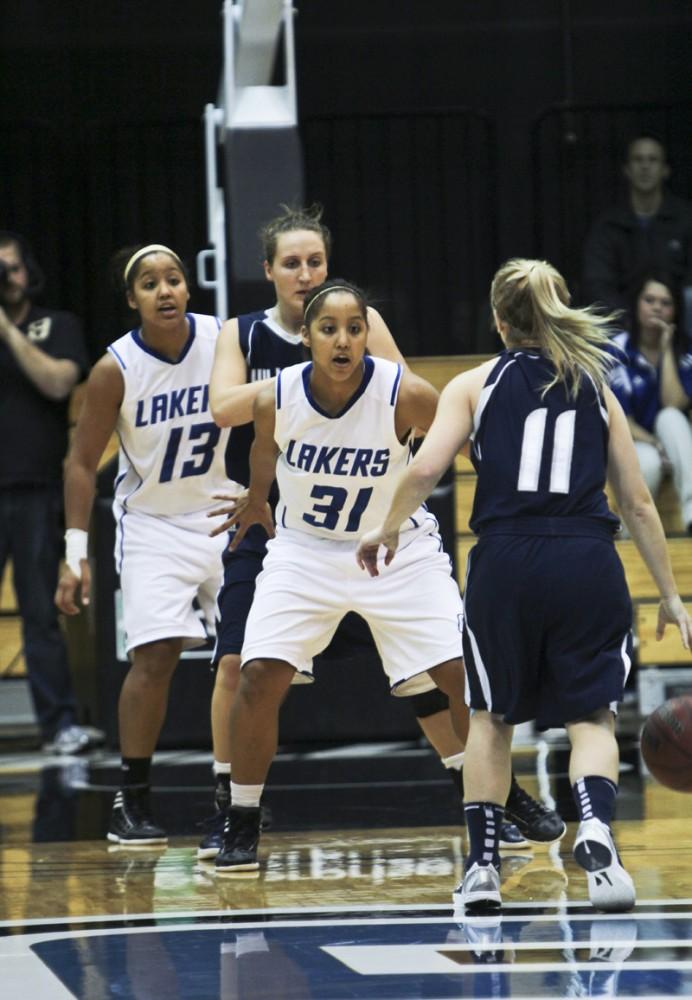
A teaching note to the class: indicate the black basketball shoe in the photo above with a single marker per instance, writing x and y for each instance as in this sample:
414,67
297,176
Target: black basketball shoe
240,839
131,824
510,836
212,842
534,820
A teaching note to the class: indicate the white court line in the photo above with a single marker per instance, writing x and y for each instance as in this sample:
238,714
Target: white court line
366,908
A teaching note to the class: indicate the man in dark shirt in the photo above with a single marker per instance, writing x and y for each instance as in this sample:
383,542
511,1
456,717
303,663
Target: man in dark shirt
651,228
42,357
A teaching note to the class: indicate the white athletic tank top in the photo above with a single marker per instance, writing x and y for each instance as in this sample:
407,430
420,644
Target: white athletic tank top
172,454
336,474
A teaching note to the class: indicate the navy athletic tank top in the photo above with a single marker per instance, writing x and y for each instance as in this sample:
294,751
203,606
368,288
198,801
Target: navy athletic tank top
538,454
267,349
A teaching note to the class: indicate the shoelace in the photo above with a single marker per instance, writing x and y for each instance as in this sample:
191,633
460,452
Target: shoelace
213,823
528,805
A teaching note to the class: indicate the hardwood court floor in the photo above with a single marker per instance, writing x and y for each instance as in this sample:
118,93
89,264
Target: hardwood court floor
359,910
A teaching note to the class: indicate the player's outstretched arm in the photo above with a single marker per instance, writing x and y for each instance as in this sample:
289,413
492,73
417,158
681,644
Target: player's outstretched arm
231,396
642,519
451,426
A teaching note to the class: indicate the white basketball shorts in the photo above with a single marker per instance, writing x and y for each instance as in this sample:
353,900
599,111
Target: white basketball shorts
307,585
163,567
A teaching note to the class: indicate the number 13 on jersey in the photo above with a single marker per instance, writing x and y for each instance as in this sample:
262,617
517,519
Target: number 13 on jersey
206,436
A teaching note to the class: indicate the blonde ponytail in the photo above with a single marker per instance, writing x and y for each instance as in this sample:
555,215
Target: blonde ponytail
532,297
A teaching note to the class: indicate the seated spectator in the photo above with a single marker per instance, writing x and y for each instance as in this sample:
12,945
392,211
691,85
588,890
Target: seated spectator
653,382
650,228
42,357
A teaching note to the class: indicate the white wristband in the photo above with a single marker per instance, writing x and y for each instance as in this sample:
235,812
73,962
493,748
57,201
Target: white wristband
75,549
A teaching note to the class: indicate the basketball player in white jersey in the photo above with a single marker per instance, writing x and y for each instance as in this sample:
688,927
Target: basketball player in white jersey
340,426
251,349
152,389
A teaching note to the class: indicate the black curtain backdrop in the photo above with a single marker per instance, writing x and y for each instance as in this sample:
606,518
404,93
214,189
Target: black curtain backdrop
442,137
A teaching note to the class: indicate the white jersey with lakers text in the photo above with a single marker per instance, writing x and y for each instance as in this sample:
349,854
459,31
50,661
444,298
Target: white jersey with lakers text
336,474
172,454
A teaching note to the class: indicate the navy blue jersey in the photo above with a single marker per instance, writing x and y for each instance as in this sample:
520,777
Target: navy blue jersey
538,454
267,349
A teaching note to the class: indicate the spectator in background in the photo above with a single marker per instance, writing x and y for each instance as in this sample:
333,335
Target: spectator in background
654,384
42,357
651,228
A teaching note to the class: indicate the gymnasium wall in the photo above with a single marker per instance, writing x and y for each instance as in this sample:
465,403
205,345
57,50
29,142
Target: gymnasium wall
441,135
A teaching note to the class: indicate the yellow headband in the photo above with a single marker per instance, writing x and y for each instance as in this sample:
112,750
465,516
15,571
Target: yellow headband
152,248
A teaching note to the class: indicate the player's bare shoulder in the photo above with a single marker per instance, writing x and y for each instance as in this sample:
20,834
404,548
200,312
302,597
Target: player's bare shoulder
106,380
469,384
417,401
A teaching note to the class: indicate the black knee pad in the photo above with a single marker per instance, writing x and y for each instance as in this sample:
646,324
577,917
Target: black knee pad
429,703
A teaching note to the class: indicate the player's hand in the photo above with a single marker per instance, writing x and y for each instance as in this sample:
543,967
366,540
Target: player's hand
671,611
69,583
231,510
241,512
252,513
368,548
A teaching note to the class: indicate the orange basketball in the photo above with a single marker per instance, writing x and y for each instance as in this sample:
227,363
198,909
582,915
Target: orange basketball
666,743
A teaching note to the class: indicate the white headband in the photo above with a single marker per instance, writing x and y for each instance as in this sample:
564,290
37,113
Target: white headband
326,291
152,248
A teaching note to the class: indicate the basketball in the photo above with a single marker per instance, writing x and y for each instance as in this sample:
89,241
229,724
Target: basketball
666,743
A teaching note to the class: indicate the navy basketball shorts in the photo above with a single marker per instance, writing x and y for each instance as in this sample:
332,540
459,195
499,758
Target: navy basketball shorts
234,600
548,627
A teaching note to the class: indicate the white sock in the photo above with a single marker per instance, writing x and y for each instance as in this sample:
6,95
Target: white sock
455,762
221,768
247,796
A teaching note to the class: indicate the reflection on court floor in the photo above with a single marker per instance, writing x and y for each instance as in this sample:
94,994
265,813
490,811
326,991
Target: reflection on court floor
370,954
336,912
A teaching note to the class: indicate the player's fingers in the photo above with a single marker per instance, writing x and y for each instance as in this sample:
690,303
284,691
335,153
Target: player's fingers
238,537
361,556
220,529
222,511
86,582
64,598
686,633
370,559
389,555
